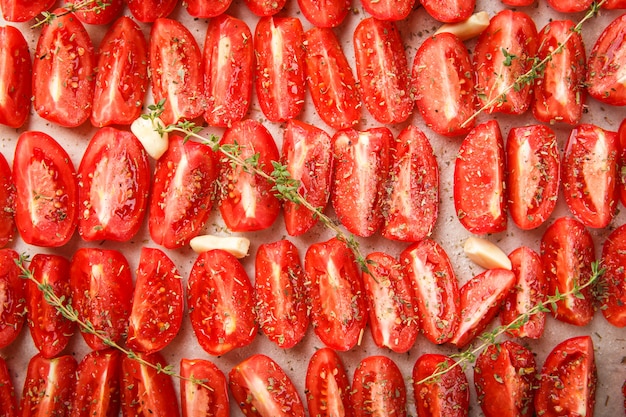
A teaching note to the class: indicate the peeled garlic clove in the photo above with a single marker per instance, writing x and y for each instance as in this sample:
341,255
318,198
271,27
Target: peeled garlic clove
236,246
469,28
154,143
486,254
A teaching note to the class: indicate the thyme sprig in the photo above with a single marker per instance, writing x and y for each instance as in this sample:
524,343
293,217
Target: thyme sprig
96,6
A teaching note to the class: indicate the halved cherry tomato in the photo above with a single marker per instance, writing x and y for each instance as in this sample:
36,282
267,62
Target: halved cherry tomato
504,377
482,298
326,13
8,399
621,134
330,79
590,175
48,386
182,192
97,390
338,308
435,287
568,380
449,11
158,303
280,67
63,72
265,7
327,386
149,11
248,202
102,290
382,70
534,172
567,251
101,12
228,60
207,8
13,296
16,74
360,169
176,71
281,296
51,332
393,313
613,300
198,400
479,180
505,51
262,388
443,80
7,203
113,183
221,303
389,10
570,6
605,79
443,396
378,388
24,10
46,191
122,77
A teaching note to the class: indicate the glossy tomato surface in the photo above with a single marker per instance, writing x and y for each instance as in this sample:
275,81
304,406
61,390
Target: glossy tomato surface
327,385
13,294
207,8
97,389
105,14
8,399
209,399
23,10
148,11
389,10
7,203
449,11
265,7
606,62
325,13
48,386
447,395
378,388
613,300
570,6
16,75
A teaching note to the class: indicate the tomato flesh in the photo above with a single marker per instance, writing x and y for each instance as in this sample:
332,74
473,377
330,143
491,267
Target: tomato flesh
16,75
13,296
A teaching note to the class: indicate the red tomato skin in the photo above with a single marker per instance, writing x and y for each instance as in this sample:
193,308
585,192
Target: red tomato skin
621,134
278,396
97,390
330,79
281,296
8,398
570,6
61,43
378,388
197,400
173,221
382,70
518,2
112,10
122,76
148,11
327,386
449,11
590,175
504,377
43,163
227,83
113,183
614,4
479,180
570,371
48,386
23,10
158,303
102,289
613,281
389,10
603,79
207,8
307,154
248,202
432,90
338,315
220,295
16,72
13,291
360,169
559,94
7,203
325,13
447,395
534,173
263,8
516,33
411,205
567,251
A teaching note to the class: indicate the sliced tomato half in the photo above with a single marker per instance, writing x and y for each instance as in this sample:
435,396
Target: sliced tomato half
148,11
13,296
97,390
101,12
8,398
16,74
207,8
48,386
325,14
447,395
378,388
24,10
327,385
7,203
208,399
605,79
613,300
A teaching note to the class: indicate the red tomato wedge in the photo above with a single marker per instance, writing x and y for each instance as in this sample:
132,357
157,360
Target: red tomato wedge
207,8
265,7
444,396
101,12
389,10
435,287
64,72
534,171
122,77
449,11
248,202
198,400
567,251
590,179
221,303
605,73
102,290
13,294
327,386
568,380
330,79
479,180
16,71
443,81
325,13
281,296
338,307
7,203
360,169
505,51
176,71
24,10
307,154
559,94
46,191
378,388
48,386
382,70
228,60
8,399
149,11
262,388
51,332
113,184
504,377
613,281
158,303
97,390
570,6
182,192
280,67
393,313
411,204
